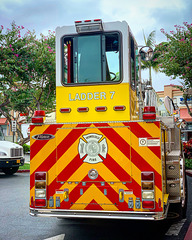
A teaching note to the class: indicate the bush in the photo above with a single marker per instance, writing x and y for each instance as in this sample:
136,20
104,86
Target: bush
188,163
26,148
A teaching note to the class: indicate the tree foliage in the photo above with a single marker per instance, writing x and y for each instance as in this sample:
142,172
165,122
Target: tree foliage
150,42
175,57
27,72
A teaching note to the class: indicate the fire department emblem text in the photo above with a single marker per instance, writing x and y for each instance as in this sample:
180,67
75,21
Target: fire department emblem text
92,147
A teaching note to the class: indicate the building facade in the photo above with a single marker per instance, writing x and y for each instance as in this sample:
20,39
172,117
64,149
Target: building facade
177,96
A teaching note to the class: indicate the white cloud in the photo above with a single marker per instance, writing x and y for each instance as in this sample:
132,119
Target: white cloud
6,4
139,13
146,15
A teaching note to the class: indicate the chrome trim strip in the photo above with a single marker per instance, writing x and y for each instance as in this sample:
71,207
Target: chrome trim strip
96,122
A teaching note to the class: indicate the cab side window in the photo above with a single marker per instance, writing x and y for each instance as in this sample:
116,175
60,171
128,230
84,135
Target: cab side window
133,63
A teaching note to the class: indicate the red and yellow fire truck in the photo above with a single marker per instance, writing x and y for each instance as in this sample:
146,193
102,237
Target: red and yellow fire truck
107,155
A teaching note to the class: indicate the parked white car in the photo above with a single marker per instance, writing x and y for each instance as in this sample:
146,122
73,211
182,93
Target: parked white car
11,156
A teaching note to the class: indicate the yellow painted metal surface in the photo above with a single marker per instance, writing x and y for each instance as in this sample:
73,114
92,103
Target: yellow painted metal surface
91,97
134,105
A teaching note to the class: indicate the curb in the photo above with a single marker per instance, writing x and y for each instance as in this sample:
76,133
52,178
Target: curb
23,170
189,172
188,235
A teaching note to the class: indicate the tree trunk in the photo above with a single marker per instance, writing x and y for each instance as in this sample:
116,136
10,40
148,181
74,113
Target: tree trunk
186,103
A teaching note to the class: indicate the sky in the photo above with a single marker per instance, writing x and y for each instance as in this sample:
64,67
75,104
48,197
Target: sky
141,15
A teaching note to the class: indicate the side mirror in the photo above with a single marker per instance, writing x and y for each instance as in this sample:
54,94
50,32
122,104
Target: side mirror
146,53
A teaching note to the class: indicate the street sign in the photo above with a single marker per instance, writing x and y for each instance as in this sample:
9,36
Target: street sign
13,126
28,131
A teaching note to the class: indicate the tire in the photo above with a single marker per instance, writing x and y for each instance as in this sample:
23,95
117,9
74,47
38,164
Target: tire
10,171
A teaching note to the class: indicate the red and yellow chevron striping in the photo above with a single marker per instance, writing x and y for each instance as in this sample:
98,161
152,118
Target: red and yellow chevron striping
97,166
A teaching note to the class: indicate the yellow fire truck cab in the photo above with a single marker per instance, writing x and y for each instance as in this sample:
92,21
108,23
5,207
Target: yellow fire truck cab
107,155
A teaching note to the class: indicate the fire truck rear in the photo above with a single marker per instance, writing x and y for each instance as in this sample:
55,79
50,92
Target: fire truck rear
107,155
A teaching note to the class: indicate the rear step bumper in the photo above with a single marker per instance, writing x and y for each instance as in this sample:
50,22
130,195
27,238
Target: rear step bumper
97,214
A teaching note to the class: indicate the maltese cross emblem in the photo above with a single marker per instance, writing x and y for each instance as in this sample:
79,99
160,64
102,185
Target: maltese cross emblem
92,147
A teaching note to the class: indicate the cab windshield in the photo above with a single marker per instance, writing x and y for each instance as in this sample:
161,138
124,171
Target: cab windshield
91,58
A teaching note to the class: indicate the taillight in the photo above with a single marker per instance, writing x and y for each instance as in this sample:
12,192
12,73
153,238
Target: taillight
149,176
39,184
147,190
148,194
148,204
147,185
38,117
40,202
40,189
40,176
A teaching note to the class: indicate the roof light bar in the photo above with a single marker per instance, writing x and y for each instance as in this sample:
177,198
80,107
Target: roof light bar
89,26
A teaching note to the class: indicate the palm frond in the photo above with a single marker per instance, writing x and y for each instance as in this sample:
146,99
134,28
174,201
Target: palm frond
150,40
144,38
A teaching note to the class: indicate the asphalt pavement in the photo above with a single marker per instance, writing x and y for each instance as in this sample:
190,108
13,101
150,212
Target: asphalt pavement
188,235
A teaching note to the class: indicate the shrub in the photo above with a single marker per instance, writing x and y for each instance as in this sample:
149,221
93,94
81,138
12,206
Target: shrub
187,148
26,148
188,163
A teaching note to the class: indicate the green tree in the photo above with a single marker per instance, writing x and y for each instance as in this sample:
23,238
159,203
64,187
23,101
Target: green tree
150,42
175,57
27,72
